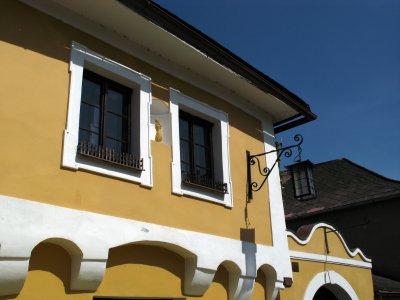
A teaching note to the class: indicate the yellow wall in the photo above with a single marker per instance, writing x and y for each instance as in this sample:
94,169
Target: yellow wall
359,278
34,55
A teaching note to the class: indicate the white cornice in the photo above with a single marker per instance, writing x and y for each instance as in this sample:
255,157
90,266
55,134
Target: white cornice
195,67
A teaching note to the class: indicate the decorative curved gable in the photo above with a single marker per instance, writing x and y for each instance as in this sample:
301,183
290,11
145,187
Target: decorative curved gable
323,239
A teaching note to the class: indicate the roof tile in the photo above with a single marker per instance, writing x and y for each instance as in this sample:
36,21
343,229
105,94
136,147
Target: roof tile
338,183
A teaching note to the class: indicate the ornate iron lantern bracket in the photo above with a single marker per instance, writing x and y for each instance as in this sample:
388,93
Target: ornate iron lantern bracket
253,186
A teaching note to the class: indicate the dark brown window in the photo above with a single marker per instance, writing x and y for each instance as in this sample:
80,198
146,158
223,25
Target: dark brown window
196,152
104,126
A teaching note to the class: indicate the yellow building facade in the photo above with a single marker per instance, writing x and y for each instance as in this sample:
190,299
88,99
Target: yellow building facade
158,215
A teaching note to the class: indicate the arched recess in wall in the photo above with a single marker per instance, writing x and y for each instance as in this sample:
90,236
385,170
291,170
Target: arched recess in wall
324,293
143,265
236,286
220,282
53,256
69,246
270,276
332,281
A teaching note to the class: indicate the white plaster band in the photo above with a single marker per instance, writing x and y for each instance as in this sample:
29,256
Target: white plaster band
329,259
89,236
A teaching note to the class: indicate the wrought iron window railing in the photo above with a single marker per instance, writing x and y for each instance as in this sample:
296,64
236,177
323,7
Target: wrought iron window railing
110,155
205,181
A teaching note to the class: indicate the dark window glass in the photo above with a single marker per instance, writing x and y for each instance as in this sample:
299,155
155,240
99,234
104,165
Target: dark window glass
183,128
185,152
91,91
90,118
117,102
104,115
195,146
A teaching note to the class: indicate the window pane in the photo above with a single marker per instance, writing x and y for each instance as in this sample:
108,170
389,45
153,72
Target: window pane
200,134
90,118
185,151
89,137
116,102
91,92
115,127
185,170
200,172
204,174
117,146
184,129
202,157
195,147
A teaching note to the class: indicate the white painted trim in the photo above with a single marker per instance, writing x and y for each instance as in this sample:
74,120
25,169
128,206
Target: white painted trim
89,236
322,225
333,278
277,213
329,259
82,58
220,141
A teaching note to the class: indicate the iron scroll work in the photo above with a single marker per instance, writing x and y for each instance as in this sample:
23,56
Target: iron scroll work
253,186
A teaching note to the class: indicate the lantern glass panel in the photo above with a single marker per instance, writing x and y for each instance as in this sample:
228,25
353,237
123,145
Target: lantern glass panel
303,181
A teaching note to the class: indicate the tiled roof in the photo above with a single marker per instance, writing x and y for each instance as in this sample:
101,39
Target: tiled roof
339,183
384,284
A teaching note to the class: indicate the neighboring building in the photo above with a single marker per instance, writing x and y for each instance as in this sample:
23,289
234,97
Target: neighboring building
362,205
385,288
124,171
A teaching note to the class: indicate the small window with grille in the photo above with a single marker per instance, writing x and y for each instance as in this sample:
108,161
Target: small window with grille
195,136
200,150
107,128
105,118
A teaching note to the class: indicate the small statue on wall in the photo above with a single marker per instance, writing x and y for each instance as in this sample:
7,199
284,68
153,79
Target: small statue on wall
158,131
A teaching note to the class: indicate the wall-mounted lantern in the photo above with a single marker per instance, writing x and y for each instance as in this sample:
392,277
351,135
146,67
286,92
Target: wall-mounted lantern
253,186
303,181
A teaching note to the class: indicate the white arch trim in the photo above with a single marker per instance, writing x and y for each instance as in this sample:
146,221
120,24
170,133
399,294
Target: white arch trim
322,225
24,224
329,277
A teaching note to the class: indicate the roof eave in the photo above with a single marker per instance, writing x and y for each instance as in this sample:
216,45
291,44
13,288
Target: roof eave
176,26
299,216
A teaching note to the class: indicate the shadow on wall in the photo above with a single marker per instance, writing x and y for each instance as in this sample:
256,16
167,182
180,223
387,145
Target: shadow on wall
35,31
144,265
158,257
147,255
20,32
48,257
52,259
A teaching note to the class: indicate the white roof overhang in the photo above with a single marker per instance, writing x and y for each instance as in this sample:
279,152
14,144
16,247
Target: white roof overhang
165,49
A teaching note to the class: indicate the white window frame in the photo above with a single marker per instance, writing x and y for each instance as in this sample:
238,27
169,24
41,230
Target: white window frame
83,58
220,141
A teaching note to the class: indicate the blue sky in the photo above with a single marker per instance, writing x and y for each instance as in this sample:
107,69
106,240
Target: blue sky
342,57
